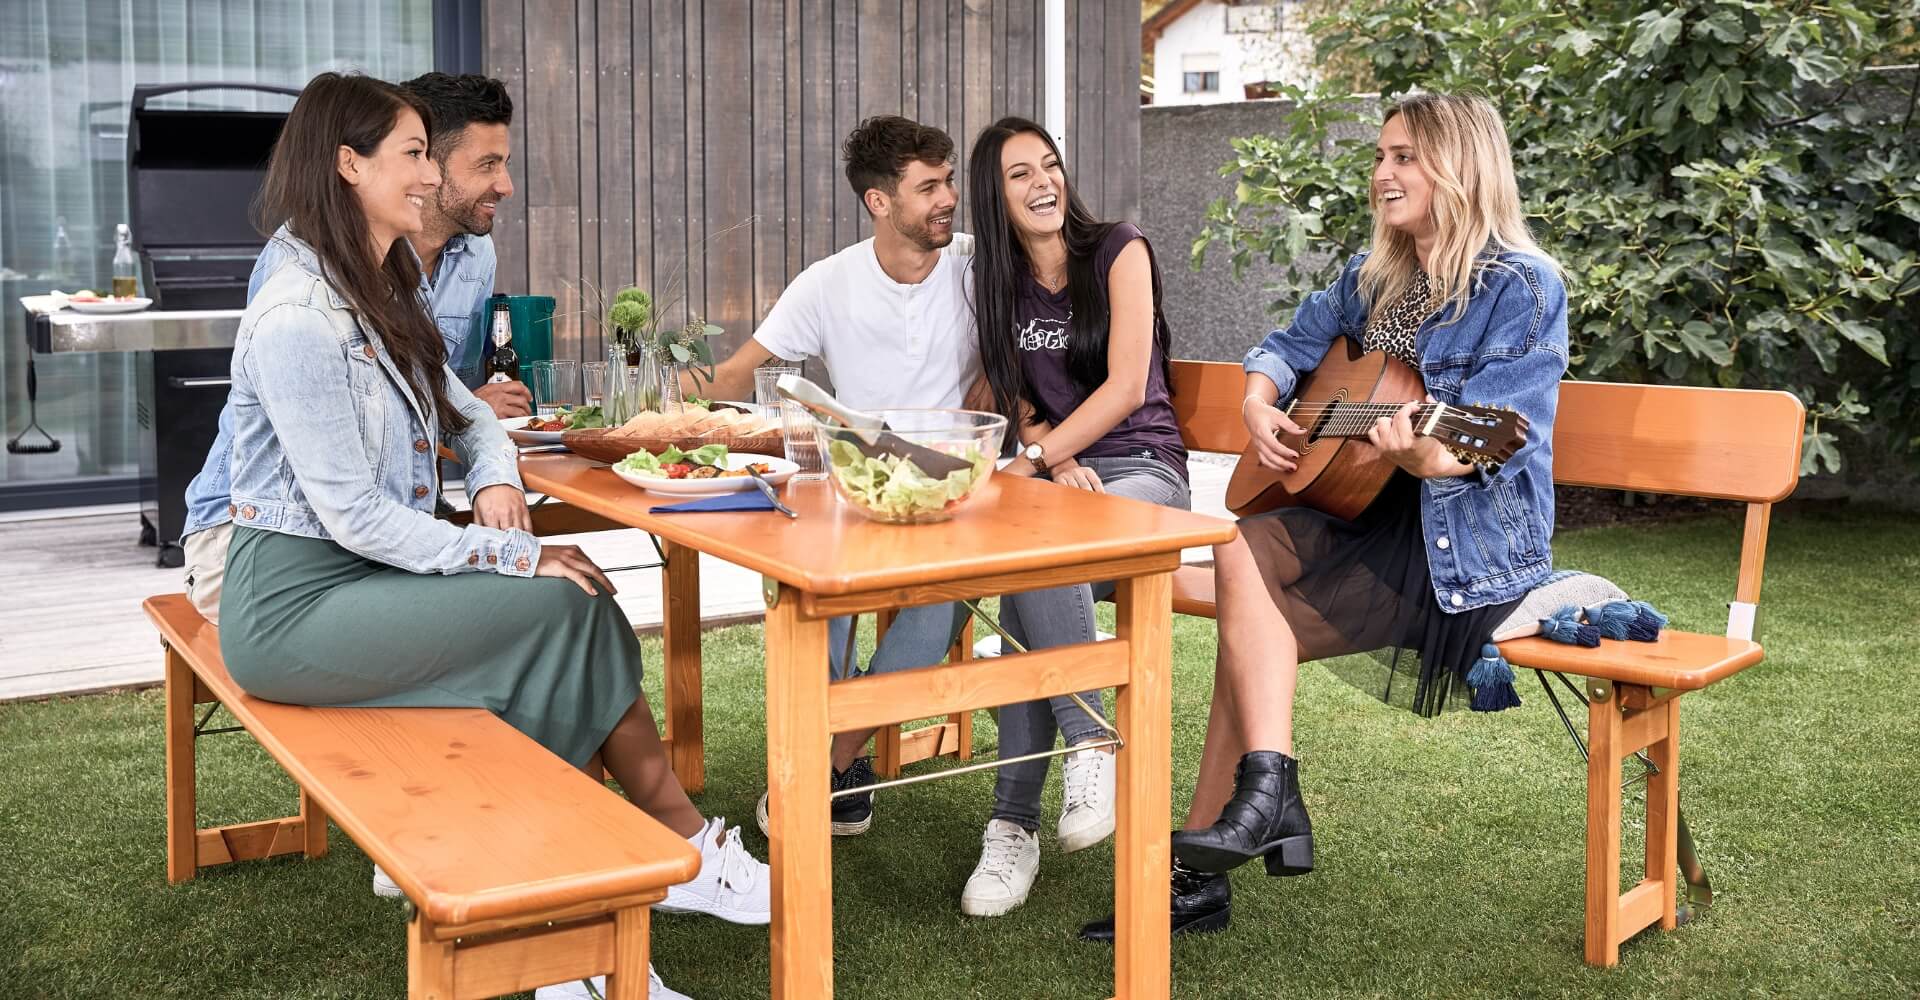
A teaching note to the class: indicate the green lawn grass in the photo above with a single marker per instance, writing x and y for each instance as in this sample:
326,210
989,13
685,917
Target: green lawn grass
1450,860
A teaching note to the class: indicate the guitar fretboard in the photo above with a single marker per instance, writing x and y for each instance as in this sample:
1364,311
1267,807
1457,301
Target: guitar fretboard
1354,420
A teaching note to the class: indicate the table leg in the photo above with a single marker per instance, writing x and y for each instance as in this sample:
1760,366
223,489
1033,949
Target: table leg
1141,853
800,850
680,637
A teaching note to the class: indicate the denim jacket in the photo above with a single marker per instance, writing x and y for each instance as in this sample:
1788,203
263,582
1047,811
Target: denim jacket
457,295
1487,536
330,442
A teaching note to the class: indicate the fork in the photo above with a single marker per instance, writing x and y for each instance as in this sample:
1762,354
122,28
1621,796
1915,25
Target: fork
767,488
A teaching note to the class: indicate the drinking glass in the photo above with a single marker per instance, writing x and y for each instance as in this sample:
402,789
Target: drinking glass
802,443
555,384
593,383
765,396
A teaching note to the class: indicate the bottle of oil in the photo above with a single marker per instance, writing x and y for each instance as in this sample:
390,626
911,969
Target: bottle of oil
504,366
126,267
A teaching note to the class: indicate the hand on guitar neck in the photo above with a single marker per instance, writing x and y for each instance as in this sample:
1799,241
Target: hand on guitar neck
1419,455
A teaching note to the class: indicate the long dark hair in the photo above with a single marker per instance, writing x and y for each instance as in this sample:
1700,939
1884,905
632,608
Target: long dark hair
1000,265
305,192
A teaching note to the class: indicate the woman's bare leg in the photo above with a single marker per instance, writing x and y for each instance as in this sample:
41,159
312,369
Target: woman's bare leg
638,760
1213,786
1258,659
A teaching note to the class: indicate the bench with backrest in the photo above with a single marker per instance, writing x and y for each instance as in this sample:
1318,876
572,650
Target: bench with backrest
1729,444
521,870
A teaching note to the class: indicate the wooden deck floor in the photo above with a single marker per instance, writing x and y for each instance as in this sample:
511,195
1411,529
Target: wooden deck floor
70,619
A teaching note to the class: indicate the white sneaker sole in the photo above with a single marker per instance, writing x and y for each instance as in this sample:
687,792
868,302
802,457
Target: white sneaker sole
729,915
385,888
1080,840
975,907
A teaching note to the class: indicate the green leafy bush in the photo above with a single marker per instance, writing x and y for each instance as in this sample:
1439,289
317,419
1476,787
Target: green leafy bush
1732,185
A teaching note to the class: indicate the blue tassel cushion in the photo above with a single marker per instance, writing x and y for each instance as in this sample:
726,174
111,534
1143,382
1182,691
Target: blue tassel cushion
1562,589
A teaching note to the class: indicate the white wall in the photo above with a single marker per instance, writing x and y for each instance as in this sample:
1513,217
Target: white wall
1284,55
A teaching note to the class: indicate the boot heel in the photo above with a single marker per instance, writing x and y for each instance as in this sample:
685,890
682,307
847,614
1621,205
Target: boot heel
1292,856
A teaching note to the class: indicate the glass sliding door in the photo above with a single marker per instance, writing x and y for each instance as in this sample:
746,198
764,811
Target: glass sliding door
67,70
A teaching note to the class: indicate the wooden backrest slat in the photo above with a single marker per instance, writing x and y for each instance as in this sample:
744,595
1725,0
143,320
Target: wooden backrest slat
1206,402
1734,444
474,820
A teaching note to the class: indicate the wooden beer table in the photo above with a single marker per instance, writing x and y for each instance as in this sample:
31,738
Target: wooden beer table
1015,535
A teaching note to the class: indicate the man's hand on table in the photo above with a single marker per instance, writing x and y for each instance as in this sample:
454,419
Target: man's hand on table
507,399
502,506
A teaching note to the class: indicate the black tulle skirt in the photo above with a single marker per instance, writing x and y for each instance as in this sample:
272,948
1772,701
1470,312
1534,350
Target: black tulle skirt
1363,586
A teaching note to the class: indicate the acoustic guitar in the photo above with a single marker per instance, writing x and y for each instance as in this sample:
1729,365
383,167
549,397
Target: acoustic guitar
1339,471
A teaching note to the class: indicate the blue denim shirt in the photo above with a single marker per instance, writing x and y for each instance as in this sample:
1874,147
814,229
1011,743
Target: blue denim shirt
329,441
1487,536
457,294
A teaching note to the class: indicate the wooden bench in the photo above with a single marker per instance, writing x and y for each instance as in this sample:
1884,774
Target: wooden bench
521,871
1728,444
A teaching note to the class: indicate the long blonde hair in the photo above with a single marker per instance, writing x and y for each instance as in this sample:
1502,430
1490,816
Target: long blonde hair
1462,146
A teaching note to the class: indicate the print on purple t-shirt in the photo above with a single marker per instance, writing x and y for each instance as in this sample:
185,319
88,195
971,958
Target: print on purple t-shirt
1040,321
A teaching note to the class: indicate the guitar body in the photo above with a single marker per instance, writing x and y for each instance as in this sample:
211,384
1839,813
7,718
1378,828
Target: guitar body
1340,476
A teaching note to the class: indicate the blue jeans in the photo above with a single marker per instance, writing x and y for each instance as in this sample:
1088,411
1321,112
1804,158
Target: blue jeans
1058,617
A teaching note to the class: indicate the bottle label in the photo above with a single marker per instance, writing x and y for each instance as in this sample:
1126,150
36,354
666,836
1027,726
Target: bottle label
498,377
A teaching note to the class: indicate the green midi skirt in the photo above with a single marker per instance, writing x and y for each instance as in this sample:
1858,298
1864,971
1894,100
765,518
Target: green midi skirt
307,622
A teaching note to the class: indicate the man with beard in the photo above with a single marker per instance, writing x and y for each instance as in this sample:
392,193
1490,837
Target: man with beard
469,143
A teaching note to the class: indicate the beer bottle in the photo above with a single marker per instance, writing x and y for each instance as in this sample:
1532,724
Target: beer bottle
504,366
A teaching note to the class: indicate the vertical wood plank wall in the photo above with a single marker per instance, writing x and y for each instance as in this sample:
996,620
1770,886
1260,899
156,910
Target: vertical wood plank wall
645,130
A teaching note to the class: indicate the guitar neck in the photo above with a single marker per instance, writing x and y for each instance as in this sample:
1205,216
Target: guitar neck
1354,420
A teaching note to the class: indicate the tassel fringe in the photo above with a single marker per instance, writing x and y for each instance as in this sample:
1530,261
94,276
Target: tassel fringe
1564,626
1492,682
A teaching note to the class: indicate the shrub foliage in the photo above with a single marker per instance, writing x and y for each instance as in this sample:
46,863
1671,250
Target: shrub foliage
1732,185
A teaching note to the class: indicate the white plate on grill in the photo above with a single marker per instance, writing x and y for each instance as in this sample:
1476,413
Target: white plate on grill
107,307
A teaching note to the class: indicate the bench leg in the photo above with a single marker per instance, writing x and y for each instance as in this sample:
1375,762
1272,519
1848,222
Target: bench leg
181,826
1614,731
894,747
313,825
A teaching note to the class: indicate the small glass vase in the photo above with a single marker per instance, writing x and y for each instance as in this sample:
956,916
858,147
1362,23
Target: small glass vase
618,403
670,397
649,390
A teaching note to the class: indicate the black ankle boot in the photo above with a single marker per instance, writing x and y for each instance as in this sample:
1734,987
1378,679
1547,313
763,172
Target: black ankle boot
1265,818
1202,904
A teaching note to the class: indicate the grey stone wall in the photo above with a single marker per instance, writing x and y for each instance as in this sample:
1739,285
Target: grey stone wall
1213,316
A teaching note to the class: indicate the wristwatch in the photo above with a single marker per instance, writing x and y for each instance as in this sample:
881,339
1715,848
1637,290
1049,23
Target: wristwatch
1036,455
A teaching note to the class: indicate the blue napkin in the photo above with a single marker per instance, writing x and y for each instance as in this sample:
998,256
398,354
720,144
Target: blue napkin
742,500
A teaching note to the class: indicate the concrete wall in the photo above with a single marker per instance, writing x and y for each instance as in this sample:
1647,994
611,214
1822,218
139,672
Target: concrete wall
1213,316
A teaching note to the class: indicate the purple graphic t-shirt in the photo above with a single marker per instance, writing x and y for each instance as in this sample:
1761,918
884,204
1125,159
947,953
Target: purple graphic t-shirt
1040,321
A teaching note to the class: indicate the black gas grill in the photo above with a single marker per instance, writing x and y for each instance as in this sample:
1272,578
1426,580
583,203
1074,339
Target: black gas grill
192,177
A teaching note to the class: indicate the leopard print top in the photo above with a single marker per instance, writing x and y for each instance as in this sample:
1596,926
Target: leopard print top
1393,329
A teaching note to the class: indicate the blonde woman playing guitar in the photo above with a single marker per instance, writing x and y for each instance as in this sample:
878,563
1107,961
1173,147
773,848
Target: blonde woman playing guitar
1455,289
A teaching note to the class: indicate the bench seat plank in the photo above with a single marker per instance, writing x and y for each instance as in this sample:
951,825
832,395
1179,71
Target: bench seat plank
459,807
1683,661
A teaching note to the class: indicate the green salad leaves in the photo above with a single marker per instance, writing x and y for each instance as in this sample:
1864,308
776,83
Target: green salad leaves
895,487
647,463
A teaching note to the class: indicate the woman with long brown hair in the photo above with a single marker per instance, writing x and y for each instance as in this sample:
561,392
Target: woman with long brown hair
342,588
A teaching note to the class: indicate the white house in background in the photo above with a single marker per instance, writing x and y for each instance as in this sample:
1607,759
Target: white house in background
1210,51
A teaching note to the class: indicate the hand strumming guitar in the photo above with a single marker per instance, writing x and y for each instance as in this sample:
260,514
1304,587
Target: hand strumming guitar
1265,423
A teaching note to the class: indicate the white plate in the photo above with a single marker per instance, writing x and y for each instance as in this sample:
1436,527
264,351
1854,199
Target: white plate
110,306
513,425
782,470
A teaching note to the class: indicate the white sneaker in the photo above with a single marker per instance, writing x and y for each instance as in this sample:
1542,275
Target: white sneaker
383,885
1009,859
1086,803
731,884
596,989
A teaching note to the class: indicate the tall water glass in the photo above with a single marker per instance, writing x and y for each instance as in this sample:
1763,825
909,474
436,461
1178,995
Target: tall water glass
765,395
555,384
802,443
593,383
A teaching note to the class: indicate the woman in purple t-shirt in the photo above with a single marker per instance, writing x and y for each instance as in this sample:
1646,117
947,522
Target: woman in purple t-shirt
1076,350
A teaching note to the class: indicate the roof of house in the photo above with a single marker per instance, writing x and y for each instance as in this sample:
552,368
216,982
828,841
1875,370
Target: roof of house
1151,28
